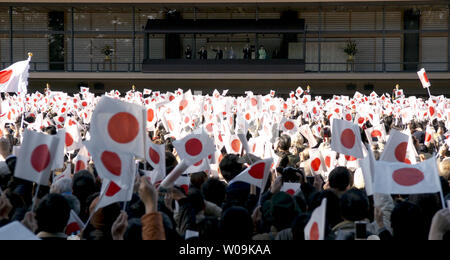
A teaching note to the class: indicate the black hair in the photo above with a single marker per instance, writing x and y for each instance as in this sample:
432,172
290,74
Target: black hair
52,213
354,205
339,178
214,190
230,166
407,222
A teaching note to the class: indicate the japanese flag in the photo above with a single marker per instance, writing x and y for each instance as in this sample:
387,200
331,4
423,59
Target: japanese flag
290,188
58,162
424,78
81,162
315,229
366,169
119,126
429,135
112,193
156,155
299,91
317,162
111,165
15,77
194,147
376,134
288,125
36,156
147,91
400,178
396,148
305,130
154,177
329,157
257,174
74,225
183,182
346,138
233,144
72,135
66,174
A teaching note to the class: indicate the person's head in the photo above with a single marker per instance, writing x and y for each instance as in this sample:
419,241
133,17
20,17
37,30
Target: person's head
236,224
283,210
83,185
188,47
171,162
197,179
339,179
354,205
407,222
103,219
214,191
230,166
74,203
261,47
284,143
5,147
298,226
444,169
52,213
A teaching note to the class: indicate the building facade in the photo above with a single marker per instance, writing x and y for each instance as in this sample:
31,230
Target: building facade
116,44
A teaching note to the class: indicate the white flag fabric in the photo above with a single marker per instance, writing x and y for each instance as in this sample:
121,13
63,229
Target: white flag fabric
424,78
16,231
58,162
36,156
376,134
429,132
367,174
346,138
113,166
194,147
156,155
317,162
401,178
290,188
74,225
257,174
15,77
396,147
305,130
119,126
183,182
73,136
288,125
315,229
112,193
81,162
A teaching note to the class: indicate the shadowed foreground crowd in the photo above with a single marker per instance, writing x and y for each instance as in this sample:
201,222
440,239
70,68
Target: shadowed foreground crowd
214,210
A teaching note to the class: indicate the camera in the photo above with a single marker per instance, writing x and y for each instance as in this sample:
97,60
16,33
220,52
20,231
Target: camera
290,174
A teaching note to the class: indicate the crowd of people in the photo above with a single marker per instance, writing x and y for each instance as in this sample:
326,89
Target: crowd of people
248,53
212,208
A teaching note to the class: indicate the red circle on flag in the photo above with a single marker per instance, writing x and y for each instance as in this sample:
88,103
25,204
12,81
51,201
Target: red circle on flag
428,138
123,127
376,133
84,103
315,110
150,115
193,147
432,111
236,145
185,187
328,161
61,119
40,158
71,122
63,110
314,232
112,162
72,228
209,127
5,76
350,158
80,166
154,155
171,98
183,104
361,120
348,138
198,163
69,139
254,101
289,125
290,192
186,120
348,117
273,107
315,164
408,176
400,151
257,171
247,116
113,189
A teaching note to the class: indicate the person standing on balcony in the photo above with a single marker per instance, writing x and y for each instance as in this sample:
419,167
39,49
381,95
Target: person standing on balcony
203,53
247,52
219,53
262,54
188,52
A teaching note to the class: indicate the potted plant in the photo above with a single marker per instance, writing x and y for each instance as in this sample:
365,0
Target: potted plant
351,49
107,51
